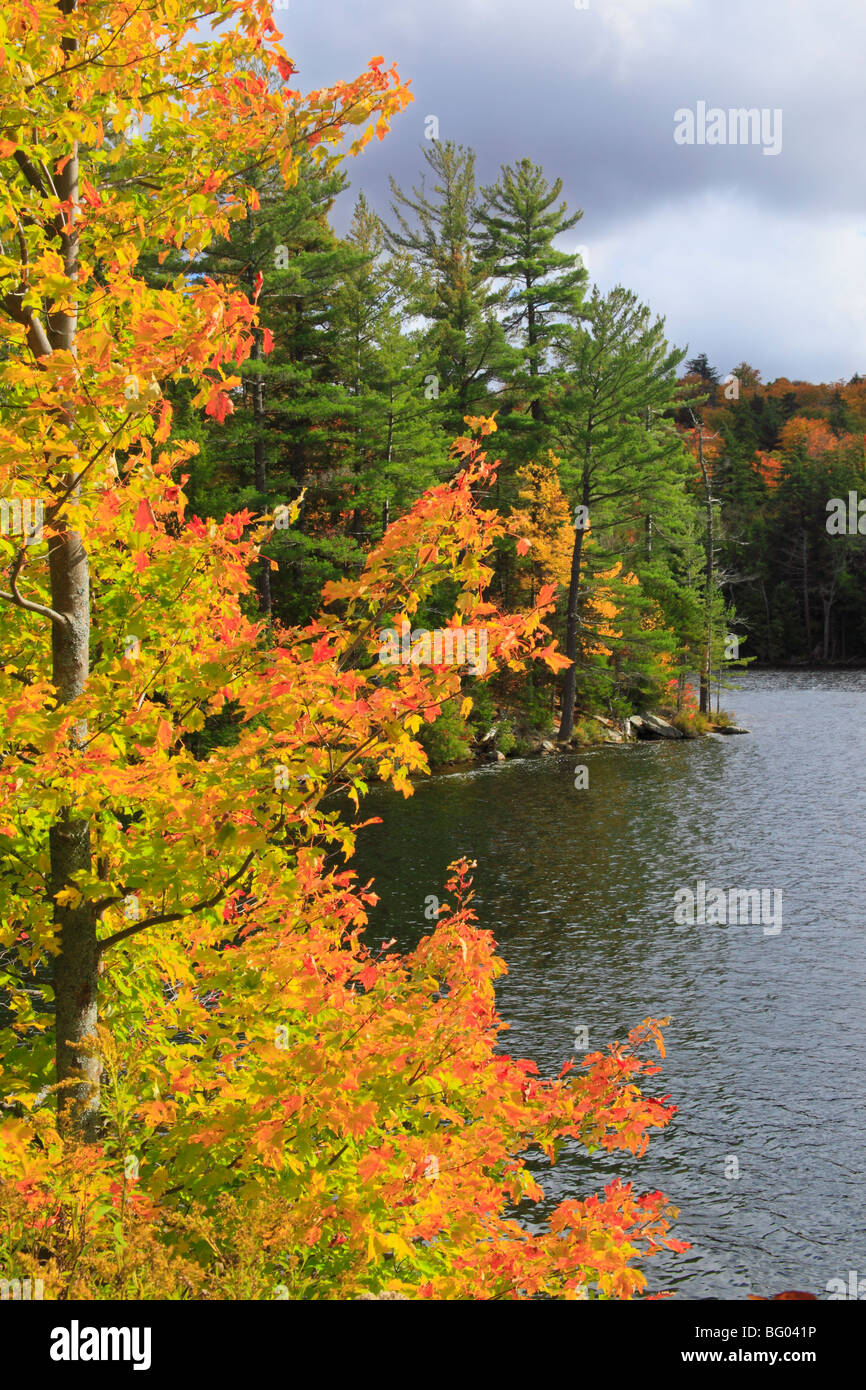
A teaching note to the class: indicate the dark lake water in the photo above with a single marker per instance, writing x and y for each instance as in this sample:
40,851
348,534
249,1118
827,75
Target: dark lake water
767,1045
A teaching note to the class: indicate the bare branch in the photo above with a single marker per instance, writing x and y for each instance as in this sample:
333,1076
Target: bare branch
28,604
30,607
37,338
30,172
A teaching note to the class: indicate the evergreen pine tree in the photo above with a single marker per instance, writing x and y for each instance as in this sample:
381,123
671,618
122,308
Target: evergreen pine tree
289,432
396,446
621,459
447,284
539,289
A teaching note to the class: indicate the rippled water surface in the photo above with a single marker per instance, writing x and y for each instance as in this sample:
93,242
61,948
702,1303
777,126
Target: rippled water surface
767,1044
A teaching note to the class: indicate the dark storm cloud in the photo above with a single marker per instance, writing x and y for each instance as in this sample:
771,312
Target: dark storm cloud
591,94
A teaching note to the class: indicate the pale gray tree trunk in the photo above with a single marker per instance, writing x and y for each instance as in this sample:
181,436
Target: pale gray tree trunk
76,967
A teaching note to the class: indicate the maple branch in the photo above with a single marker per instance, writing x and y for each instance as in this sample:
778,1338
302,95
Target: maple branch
137,182
30,172
29,605
37,338
49,179
313,801
16,597
159,919
384,607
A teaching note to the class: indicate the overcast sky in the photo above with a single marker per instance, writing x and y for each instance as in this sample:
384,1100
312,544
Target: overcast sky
746,255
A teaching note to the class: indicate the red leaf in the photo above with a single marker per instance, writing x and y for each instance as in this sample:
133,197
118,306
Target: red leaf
219,405
144,519
164,426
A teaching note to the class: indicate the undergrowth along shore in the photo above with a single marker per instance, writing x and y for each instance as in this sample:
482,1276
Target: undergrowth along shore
509,733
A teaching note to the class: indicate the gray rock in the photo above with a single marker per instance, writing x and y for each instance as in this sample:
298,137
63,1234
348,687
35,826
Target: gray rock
732,729
651,726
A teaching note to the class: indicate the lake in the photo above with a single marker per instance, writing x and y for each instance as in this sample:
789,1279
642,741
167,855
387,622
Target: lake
767,1045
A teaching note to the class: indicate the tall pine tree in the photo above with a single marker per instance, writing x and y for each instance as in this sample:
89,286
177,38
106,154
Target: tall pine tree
620,458
539,291
448,285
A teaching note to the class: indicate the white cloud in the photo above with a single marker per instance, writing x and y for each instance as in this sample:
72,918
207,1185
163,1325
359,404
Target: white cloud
784,292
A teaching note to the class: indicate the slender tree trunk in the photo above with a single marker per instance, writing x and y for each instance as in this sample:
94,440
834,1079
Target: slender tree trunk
807,617
569,681
705,694
827,598
531,343
263,570
390,450
769,627
76,967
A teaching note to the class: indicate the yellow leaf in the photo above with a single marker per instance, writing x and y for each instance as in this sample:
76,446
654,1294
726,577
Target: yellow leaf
68,897
398,1245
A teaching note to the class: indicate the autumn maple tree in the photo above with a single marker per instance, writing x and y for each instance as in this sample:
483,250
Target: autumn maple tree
213,1086
86,343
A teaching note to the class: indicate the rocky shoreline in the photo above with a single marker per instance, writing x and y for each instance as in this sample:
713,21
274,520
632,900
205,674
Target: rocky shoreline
607,733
